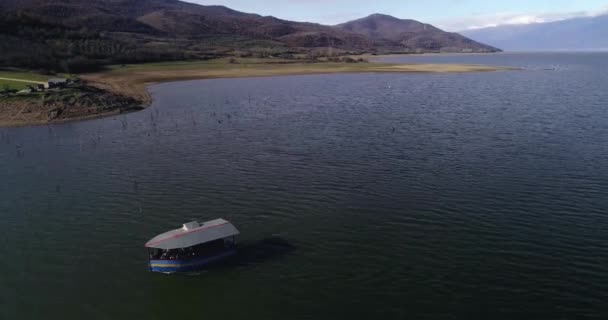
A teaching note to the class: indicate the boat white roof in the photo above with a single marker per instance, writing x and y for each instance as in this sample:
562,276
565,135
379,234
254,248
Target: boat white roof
193,233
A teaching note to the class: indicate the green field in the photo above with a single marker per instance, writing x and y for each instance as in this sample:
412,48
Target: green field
31,76
221,63
12,85
20,80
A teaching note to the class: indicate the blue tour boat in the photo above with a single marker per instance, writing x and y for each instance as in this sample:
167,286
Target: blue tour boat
192,247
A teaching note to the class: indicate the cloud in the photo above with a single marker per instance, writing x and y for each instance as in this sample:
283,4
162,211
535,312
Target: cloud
511,18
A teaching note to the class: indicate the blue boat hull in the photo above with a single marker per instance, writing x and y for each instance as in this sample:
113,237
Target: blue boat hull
189,265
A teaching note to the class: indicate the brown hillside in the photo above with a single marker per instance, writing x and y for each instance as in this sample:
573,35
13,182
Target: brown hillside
74,35
413,35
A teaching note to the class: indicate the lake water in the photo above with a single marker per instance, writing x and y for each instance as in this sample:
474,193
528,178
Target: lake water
401,196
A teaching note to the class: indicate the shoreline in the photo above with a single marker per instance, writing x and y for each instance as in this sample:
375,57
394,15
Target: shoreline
132,81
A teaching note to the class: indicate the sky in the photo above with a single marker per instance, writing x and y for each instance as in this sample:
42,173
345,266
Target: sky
451,15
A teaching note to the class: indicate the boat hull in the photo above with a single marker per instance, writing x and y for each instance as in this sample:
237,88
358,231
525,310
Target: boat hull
189,265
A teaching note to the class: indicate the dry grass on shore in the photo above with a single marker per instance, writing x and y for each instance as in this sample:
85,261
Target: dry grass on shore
129,83
132,80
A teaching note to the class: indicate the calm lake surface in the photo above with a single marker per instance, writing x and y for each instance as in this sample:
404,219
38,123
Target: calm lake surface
402,196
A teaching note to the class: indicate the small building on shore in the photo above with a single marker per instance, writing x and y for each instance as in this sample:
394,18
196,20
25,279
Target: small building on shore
56,83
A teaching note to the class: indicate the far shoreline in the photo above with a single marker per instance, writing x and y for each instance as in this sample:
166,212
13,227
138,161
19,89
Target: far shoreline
132,81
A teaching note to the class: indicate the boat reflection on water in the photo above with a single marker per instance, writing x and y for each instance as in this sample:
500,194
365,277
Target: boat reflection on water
263,250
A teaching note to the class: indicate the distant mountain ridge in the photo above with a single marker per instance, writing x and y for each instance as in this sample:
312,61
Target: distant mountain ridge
79,34
413,35
586,33
164,17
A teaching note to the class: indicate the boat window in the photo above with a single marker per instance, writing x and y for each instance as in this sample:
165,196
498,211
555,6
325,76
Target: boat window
155,253
204,249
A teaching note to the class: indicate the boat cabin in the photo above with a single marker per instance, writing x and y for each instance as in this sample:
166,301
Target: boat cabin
192,247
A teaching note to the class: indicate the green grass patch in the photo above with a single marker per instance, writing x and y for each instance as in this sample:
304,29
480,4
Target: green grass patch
13,85
20,80
26,76
162,65
221,63
16,80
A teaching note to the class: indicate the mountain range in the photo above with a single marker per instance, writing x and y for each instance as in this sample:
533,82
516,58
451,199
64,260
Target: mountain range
586,33
411,35
76,35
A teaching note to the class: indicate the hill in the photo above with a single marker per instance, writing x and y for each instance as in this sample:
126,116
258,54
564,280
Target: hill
412,35
589,33
81,35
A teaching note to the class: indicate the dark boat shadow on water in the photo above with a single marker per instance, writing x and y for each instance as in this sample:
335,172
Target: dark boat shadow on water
267,249
253,253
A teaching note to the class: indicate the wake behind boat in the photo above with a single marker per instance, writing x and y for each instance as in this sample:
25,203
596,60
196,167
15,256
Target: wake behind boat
192,247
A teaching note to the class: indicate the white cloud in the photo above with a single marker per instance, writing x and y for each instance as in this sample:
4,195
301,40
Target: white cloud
511,18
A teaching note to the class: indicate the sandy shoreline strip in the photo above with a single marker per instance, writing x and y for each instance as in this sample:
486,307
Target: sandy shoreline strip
133,80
